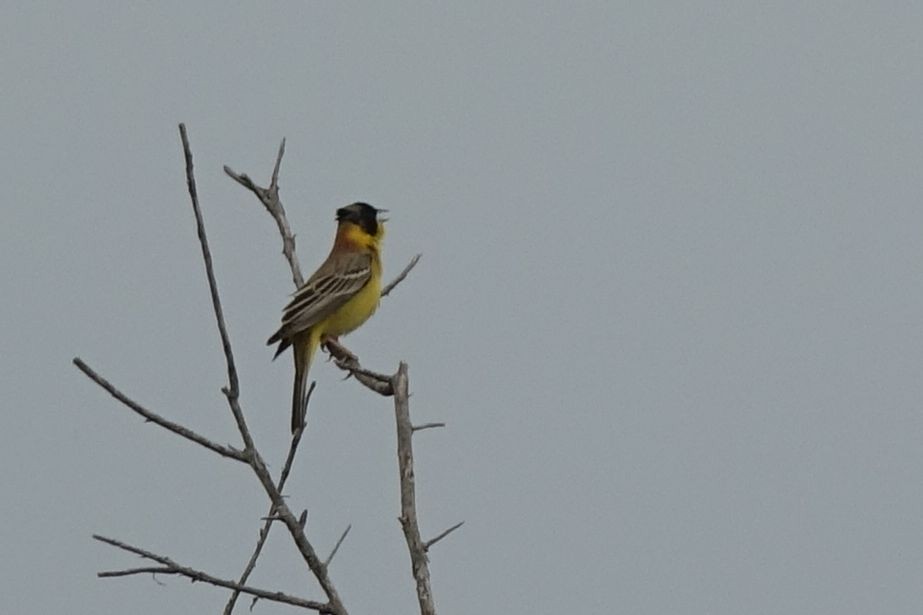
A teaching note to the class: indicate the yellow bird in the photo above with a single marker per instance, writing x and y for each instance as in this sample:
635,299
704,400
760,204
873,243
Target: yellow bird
341,295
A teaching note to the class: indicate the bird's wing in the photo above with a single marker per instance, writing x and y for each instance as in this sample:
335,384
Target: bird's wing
338,279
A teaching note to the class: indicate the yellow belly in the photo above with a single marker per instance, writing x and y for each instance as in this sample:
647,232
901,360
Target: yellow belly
354,312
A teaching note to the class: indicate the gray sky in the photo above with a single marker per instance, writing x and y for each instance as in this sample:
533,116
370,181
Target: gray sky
669,304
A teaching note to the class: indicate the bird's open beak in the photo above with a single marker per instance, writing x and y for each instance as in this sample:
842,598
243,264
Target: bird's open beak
379,212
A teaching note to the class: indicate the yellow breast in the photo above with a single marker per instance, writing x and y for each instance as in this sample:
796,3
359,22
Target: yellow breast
357,310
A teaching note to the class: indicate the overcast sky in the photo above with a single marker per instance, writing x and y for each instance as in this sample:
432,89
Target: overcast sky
669,302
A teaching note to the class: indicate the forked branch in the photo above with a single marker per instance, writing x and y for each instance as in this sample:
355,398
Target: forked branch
396,386
250,454
233,396
269,197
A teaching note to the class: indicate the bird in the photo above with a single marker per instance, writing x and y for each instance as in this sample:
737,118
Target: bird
338,298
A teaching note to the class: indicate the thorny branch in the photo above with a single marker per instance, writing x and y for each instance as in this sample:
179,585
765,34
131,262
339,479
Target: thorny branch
396,386
232,393
250,453
379,383
269,197
270,517
419,563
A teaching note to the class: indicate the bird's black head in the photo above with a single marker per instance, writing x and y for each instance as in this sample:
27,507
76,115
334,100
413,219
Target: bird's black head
361,214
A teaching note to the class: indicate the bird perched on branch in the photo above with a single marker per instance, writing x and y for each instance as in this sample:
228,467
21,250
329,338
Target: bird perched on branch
338,298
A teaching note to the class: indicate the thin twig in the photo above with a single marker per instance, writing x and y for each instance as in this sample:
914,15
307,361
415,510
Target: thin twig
336,547
400,277
108,574
171,567
274,180
185,432
296,440
432,541
427,426
418,560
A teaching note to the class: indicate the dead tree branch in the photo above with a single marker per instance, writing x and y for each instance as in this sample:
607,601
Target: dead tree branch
250,453
232,391
396,386
347,361
269,197
185,432
336,547
209,267
400,277
270,517
232,394
427,426
441,535
153,570
168,566
419,564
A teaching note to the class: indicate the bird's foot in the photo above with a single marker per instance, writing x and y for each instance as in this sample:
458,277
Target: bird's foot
336,350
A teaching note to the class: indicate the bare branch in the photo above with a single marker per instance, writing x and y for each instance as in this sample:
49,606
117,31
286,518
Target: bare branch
274,181
269,197
209,267
284,514
418,561
427,426
171,567
400,277
232,393
224,451
267,525
106,574
336,547
436,539
296,440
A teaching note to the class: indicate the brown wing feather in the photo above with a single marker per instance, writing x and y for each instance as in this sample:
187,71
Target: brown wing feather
337,280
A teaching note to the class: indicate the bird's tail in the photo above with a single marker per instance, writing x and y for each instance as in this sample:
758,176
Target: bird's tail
303,351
